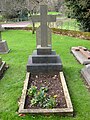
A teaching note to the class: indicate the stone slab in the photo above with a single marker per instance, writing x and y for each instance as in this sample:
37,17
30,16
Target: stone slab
86,73
4,47
43,67
61,111
45,58
44,50
80,57
52,52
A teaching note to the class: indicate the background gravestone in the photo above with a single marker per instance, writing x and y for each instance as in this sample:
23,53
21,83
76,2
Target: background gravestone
44,59
2,67
86,73
82,54
3,44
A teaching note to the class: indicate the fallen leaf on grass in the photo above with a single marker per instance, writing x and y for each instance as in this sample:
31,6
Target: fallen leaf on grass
21,115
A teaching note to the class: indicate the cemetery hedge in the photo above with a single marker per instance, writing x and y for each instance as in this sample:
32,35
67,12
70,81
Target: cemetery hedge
22,43
72,33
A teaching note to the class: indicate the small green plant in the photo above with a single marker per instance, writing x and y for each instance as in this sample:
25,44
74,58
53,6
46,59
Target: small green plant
51,103
32,91
34,101
39,97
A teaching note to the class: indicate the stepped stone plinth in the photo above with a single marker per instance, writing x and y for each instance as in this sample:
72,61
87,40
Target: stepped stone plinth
44,63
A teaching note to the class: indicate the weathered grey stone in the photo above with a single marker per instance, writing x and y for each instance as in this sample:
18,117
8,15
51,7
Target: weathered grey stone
86,73
44,59
43,50
44,18
88,68
3,44
80,57
3,47
43,67
38,37
35,52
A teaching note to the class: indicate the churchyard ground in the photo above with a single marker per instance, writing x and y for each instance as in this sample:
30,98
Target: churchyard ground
22,43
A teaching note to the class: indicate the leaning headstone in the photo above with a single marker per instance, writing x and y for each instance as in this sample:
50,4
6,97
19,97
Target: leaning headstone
82,54
44,59
86,73
3,44
2,66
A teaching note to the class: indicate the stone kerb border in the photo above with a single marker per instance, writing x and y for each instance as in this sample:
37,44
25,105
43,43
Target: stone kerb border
63,111
85,74
2,68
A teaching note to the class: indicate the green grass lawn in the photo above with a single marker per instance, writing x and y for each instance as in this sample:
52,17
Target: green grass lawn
53,13
22,44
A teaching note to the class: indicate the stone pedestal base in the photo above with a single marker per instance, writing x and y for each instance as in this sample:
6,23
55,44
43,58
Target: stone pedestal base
44,63
44,50
4,47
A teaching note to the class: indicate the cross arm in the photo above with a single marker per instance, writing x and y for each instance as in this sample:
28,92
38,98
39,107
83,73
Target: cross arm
51,18
36,18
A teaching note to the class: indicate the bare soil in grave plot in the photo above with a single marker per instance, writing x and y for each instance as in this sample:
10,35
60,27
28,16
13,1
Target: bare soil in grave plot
54,85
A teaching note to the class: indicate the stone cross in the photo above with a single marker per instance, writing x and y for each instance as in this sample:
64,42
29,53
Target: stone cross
43,19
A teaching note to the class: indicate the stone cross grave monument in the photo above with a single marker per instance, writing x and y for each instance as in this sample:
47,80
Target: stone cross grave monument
3,44
44,59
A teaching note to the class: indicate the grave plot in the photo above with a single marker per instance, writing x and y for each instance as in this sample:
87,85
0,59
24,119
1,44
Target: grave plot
86,73
45,89
82,54
57,91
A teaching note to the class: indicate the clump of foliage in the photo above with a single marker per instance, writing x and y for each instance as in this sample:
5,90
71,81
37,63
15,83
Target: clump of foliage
80,10
77,34
40,97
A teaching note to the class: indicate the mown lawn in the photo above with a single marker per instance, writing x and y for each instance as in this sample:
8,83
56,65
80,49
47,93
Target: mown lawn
22,43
